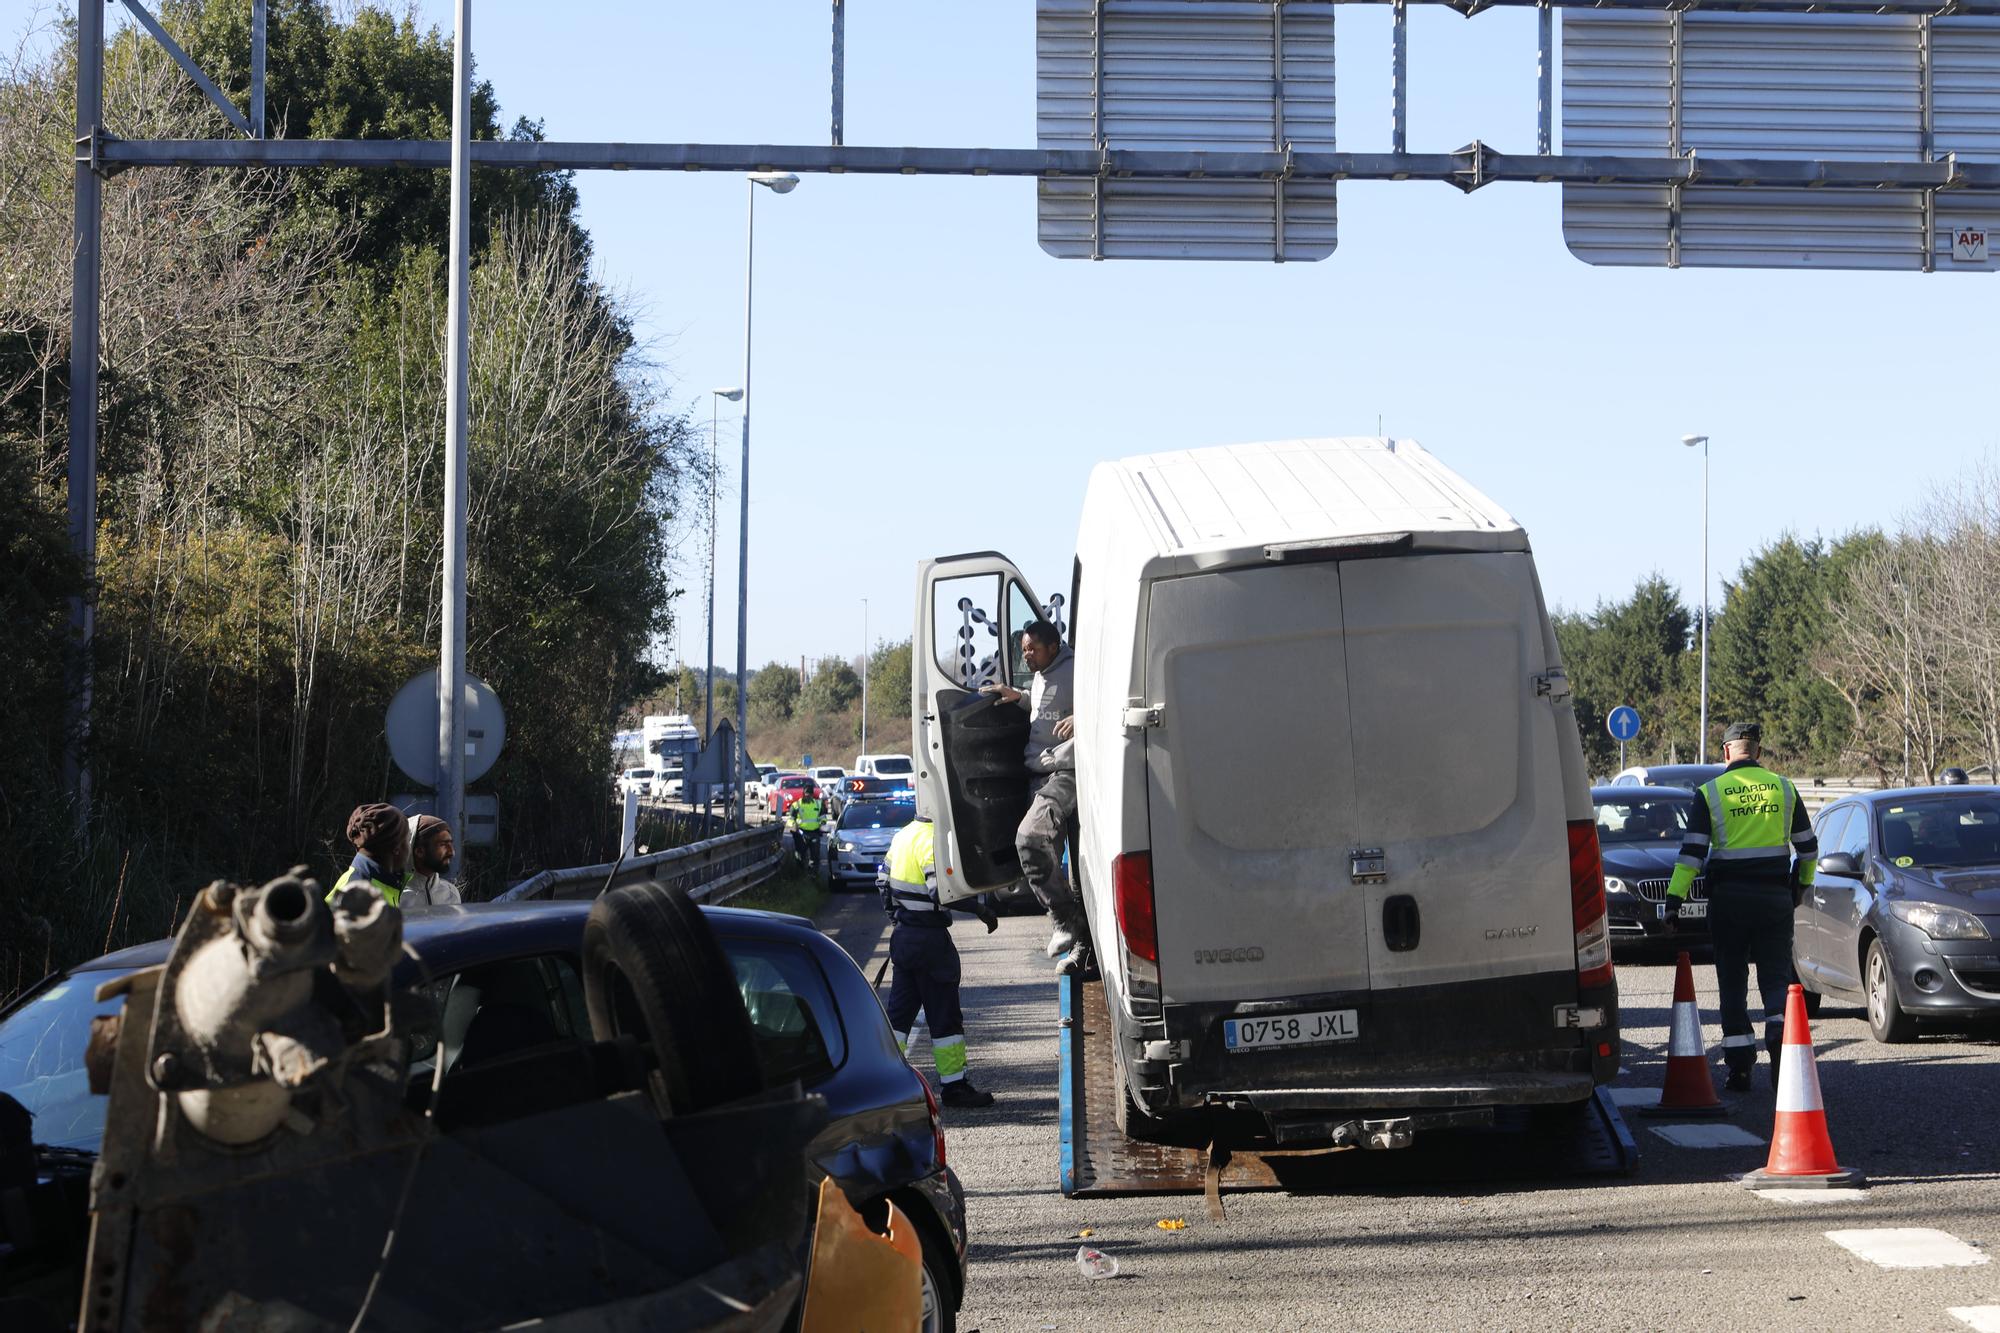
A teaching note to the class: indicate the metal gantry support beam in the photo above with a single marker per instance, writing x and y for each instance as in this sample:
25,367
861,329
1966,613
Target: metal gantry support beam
1399,77
192,70
259,17
1478,163
1545,90
839,72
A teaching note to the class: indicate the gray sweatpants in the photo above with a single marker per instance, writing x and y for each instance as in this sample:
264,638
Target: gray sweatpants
1040,843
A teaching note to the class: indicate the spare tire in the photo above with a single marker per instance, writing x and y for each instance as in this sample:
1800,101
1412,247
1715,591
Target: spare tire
652,970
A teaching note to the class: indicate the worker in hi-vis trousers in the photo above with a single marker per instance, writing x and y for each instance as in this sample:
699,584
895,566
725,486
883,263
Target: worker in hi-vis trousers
925,959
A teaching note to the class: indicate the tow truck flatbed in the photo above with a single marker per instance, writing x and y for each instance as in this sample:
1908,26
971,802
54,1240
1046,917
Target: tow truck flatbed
1098,1160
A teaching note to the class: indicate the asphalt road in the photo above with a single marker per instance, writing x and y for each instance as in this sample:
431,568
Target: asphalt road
1677,1245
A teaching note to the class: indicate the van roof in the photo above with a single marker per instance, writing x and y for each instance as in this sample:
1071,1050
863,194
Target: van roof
1232,501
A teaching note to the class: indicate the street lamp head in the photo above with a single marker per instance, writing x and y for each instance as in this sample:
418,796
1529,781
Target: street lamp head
778,182
1692,440
731,394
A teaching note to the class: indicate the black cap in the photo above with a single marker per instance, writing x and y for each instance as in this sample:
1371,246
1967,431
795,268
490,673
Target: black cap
1744,731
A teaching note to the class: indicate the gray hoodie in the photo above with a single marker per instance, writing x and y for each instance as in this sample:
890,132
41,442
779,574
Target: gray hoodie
1051,698
423,889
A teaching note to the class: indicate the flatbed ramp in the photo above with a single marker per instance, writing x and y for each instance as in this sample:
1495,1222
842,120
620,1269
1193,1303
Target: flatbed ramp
1098,1160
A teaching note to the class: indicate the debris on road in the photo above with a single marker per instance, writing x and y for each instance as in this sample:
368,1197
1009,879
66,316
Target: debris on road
1095,1264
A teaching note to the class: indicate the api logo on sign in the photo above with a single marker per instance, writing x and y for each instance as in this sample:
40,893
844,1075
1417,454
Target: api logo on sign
1968,245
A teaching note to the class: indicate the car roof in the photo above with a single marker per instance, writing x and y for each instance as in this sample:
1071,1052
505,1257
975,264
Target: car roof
1904,793
446,938
1623,791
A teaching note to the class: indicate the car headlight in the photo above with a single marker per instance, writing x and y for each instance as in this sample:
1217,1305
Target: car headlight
1612,884
846,846
1940,923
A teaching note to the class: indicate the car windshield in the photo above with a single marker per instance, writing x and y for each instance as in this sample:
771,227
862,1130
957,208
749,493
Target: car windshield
1941,831
877,814
41,1060
640,773
1648,819
891,768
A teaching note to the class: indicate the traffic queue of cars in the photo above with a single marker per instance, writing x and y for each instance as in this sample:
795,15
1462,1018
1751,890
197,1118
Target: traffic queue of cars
1902,918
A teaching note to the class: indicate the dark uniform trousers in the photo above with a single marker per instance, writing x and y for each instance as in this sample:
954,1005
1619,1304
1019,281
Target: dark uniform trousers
925,977
1751,924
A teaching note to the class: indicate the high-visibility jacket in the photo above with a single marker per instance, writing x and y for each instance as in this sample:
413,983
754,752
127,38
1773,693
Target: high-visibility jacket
911,893
389,891
806,815
1744,833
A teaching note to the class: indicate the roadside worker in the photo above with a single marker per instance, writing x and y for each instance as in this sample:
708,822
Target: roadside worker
807,816
381,838
925,959
1051,760
1746,829
431,850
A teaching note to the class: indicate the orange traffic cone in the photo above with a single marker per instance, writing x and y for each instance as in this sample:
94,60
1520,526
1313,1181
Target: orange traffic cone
1688,1091
1801,1152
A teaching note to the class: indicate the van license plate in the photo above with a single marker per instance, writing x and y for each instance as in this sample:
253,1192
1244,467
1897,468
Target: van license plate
1256,1034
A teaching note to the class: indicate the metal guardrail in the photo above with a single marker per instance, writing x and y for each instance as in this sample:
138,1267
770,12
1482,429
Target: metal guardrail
711,871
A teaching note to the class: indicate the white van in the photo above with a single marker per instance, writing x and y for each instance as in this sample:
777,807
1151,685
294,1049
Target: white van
1418,931
883,766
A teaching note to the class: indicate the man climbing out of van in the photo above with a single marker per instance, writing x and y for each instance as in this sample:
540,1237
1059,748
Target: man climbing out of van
1746,829
1051,760
925,959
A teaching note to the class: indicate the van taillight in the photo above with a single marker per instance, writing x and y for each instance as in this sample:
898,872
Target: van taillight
1586,905
1132,889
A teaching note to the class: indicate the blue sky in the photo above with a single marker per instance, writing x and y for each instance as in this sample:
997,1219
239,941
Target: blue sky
927,380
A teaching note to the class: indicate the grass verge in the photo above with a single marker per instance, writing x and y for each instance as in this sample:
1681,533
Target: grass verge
793,889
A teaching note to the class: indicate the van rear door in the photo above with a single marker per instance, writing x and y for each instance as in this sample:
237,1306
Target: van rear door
1251,883
970,776
1419,835
1460,770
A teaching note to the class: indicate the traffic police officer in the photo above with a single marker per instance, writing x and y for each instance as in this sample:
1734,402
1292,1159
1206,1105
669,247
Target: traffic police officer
807,816
925,959
1746,829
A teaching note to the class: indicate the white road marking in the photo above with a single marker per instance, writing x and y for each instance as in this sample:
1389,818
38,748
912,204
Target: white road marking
1909,1247
1636,1096
1813,1196
1981,1318
1707,1136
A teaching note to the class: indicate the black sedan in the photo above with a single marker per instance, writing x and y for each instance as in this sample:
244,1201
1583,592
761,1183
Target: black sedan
1639,832
507,977
1905,910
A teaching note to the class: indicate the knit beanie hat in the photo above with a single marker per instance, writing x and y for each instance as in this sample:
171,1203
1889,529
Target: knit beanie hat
378,829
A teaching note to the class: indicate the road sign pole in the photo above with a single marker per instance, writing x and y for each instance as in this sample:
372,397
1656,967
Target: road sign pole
451,656
1621,755
85,274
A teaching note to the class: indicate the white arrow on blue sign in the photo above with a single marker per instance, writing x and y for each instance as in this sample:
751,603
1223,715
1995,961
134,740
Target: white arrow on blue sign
1622,723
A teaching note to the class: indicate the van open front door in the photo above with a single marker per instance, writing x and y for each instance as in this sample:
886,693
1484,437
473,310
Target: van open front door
971,610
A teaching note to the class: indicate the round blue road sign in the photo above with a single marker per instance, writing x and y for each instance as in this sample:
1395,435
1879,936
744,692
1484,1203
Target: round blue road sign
1622,723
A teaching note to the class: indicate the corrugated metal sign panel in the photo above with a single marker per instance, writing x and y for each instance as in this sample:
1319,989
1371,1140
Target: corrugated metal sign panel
1186,76
1797,86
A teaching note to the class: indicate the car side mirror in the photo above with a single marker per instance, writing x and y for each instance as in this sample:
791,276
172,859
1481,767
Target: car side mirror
1840,863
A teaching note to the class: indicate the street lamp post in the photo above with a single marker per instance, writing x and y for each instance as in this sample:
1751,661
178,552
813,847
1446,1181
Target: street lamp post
1691,441
777,183
714,476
